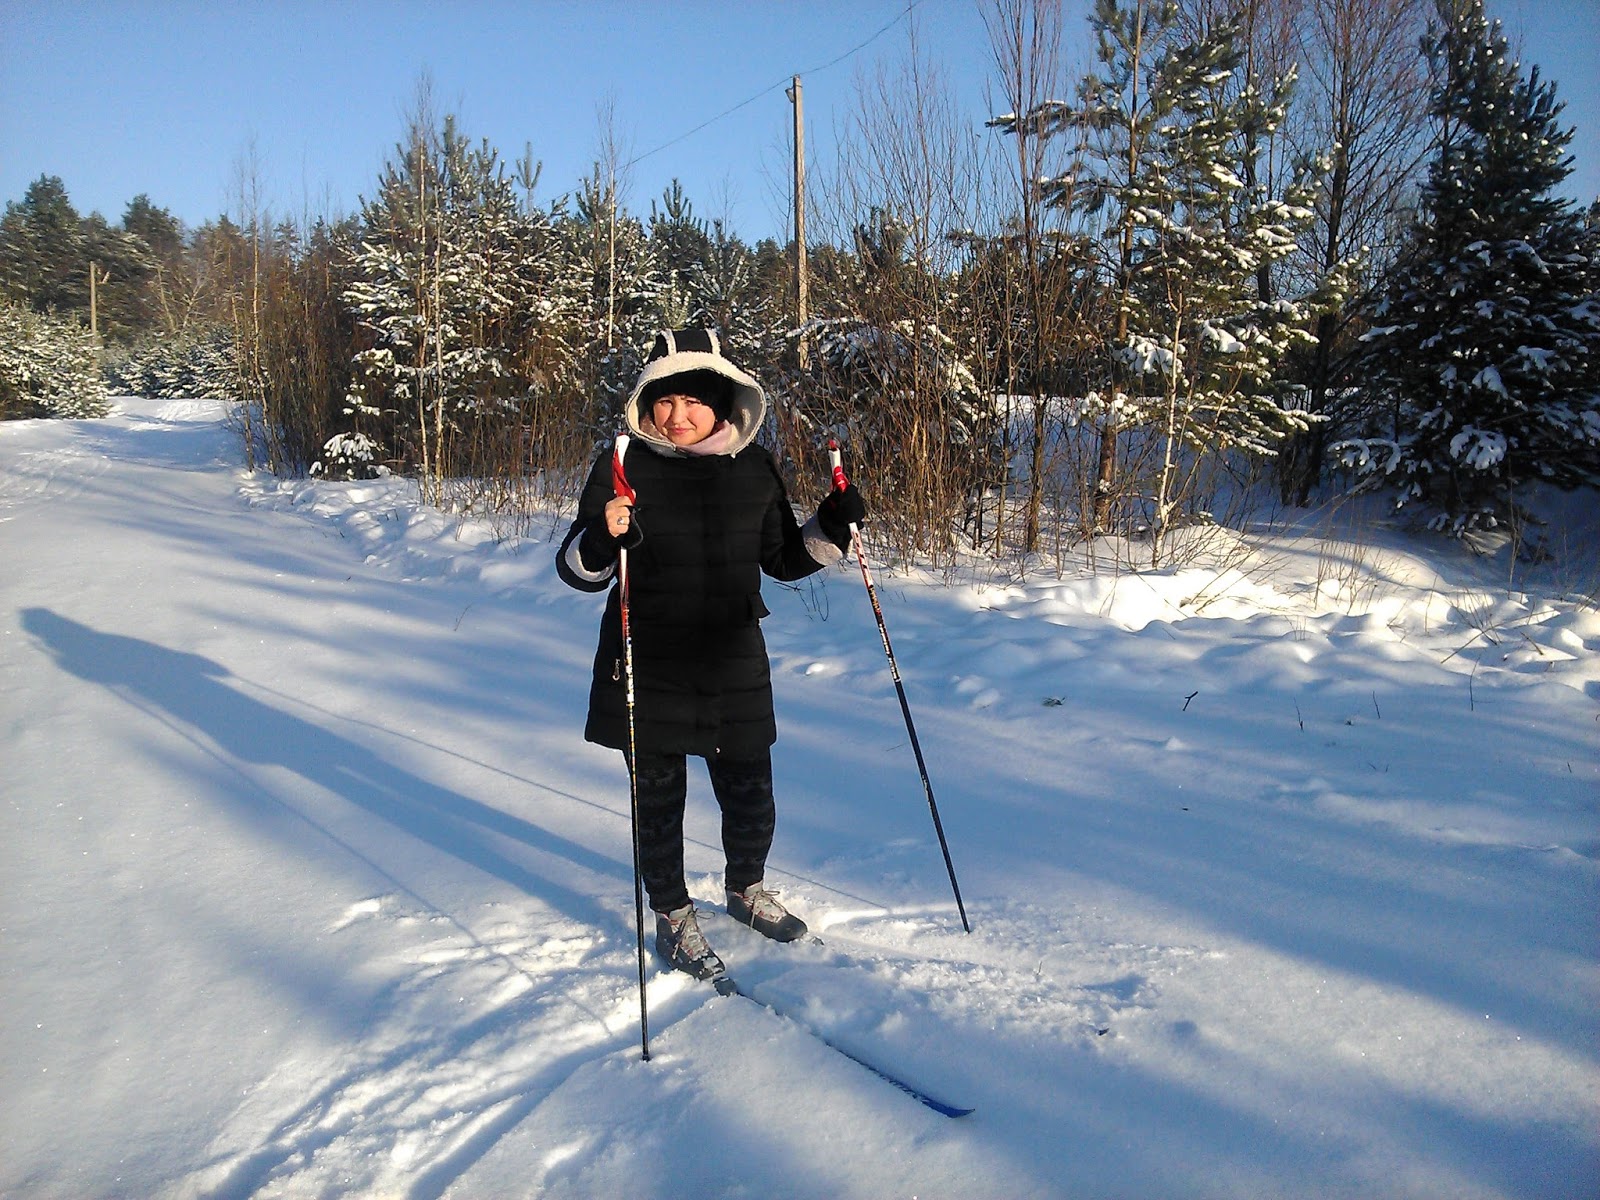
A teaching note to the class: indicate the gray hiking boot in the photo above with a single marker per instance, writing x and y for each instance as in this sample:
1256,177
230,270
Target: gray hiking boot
759,909
680,942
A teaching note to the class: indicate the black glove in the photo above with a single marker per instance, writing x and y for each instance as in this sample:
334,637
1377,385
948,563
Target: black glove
840,509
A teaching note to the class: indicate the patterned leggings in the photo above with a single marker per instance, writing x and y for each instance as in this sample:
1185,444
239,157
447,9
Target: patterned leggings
743,789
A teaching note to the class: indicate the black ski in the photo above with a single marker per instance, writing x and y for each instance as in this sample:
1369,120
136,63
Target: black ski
727,986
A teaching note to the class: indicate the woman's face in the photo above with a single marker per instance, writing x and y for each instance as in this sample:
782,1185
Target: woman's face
683,420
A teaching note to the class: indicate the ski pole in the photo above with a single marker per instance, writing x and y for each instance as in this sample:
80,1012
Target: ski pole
839,484
619,482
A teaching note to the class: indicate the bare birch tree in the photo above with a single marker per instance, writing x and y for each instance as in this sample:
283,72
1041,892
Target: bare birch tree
1362,99
1040,314
893,364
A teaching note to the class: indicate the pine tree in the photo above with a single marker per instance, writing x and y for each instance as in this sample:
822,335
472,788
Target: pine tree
889,378
43,263
612,263
726,295
48,366
123,269
47,252
157,305
443,279
679,244
1170,127
197,363
1205,332
1485,350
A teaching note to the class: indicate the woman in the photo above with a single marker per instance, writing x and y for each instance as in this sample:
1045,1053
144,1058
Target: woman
711,516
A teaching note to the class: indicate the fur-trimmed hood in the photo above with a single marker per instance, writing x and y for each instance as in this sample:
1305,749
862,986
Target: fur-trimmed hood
678,352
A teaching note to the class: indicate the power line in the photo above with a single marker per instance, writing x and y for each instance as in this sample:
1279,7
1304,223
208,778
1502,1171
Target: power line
782,83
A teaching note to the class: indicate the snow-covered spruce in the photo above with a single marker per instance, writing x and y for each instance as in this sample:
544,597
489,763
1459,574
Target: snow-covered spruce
1485,362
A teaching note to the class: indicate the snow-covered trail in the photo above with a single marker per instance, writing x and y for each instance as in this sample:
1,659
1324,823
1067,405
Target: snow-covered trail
310,886
222,804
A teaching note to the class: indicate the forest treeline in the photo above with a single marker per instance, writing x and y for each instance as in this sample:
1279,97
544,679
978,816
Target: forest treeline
1261,243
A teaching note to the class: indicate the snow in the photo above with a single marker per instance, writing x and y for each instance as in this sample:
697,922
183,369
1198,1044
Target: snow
1282,871
1480,449
1489,378
1145,356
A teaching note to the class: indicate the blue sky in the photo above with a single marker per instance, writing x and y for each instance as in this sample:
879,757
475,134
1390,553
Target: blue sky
172,99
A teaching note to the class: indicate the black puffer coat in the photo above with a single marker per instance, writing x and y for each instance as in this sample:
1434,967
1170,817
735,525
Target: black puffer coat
711,524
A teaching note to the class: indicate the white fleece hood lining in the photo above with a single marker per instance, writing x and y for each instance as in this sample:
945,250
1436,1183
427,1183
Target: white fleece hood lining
746,410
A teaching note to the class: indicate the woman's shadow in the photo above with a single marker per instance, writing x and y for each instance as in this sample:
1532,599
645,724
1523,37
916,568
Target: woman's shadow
192,694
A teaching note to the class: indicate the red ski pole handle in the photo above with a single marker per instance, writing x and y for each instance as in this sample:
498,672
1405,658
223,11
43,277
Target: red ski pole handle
619,481
836,460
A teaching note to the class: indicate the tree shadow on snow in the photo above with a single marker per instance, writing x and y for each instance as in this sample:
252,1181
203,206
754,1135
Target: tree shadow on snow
195,697
194,693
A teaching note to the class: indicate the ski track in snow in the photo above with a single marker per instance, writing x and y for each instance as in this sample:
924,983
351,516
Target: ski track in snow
1282,874
474,1030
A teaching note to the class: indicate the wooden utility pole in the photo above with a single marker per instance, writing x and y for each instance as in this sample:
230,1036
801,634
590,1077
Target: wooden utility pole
801,293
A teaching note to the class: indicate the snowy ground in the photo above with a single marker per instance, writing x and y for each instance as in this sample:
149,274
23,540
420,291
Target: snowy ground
311,888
